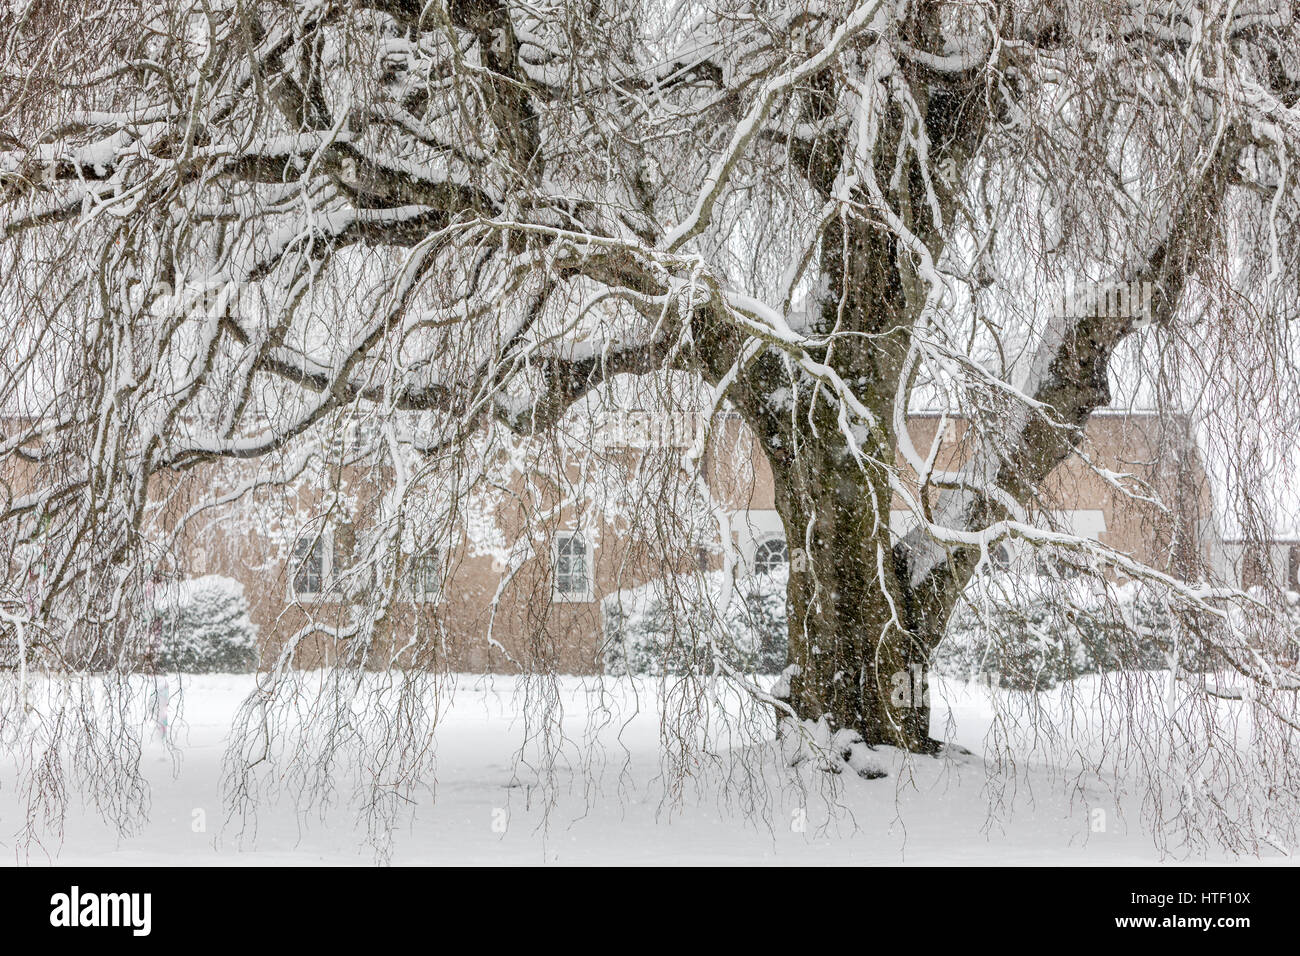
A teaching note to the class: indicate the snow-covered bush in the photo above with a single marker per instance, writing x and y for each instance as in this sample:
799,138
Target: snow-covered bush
206,628
1018,632
1031,633
669,627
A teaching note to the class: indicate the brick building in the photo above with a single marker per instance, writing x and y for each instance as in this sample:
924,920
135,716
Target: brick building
467,608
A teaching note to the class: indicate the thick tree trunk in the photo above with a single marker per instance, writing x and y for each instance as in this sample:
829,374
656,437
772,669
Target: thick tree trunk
859,648
859,642
861,658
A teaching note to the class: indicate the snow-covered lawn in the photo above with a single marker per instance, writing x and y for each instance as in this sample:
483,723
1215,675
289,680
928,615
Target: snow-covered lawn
486,812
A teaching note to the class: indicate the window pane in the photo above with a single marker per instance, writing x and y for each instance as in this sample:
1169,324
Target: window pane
771,556
426,577
309,565
571,565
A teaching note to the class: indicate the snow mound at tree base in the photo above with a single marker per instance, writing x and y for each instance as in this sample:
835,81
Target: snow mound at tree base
813,743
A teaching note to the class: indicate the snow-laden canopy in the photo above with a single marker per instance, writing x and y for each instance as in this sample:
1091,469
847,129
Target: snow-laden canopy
229,229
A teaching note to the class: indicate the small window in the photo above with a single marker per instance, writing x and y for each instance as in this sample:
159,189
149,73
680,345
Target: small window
771,556
572,568
426,578
311,565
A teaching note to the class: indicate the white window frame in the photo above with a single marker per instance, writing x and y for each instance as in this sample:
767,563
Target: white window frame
325,541
1083,522
760,543
429,562
573,597
752,528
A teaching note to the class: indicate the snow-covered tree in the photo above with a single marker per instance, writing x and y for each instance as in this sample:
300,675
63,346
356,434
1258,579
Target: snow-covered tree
232,227
206,628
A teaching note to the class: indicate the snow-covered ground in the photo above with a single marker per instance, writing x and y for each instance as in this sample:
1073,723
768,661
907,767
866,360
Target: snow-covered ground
489,809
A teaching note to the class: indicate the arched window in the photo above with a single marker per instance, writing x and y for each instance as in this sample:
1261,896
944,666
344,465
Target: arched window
771,556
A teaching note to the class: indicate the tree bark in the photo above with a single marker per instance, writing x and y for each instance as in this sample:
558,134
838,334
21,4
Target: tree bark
858,647
860,656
